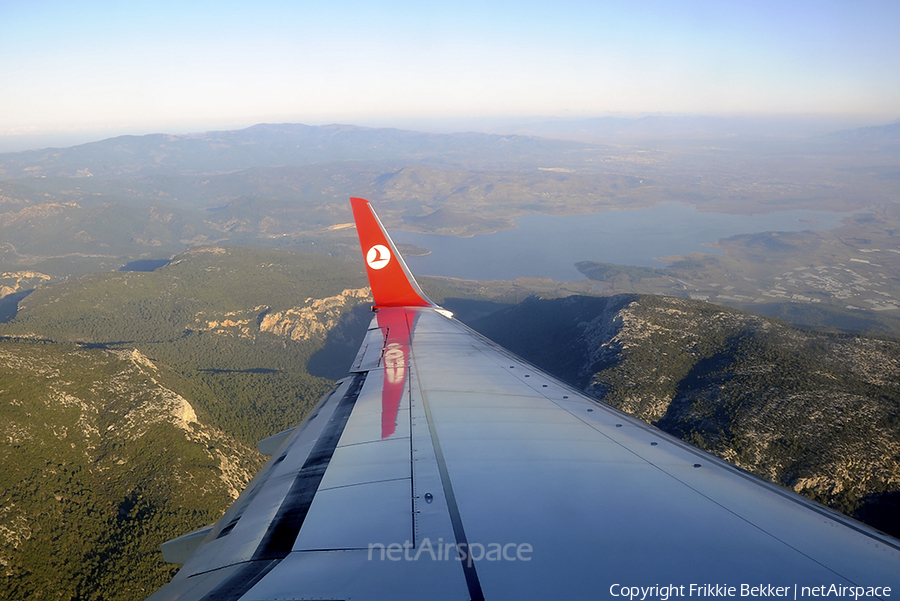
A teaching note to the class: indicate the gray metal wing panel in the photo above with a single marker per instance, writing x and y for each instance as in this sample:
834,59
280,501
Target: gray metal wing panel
365,495
586,487
377,526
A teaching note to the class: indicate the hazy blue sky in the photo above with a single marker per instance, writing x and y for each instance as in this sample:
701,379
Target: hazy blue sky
112,66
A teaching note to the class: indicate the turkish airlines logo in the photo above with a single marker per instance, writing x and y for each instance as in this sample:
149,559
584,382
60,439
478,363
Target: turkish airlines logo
378,257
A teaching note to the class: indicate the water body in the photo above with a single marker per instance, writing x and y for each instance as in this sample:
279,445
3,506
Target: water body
9,304
145,265
548,246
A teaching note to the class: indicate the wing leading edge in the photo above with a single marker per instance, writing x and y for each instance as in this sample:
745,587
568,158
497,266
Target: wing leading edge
445,467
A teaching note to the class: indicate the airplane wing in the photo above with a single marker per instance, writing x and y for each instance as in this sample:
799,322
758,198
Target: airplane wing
444,467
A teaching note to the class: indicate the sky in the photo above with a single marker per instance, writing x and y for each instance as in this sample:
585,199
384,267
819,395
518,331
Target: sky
89,69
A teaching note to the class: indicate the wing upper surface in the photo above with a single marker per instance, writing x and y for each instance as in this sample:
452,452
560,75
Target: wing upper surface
445,467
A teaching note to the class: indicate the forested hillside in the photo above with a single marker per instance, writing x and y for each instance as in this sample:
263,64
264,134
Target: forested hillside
200,315
102,462
131,404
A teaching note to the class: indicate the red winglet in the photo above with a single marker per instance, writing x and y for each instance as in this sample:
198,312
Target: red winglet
392,283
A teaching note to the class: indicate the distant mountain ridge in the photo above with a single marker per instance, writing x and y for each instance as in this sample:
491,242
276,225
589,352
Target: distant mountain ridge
891,131
670,128
269,145
884,138
294,144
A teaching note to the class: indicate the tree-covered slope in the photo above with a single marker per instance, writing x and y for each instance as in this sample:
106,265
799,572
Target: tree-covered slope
102,462
201,316
131,402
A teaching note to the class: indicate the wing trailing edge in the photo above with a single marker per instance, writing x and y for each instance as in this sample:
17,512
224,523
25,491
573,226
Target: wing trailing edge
392,283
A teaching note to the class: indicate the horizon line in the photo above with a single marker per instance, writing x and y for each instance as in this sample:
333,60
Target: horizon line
62,138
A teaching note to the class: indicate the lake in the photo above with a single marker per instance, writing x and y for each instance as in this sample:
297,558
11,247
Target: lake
548,246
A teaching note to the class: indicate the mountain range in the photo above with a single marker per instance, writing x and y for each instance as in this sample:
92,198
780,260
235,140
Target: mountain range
274,145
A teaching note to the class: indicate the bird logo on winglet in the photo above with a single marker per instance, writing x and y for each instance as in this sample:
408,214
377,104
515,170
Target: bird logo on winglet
378,256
